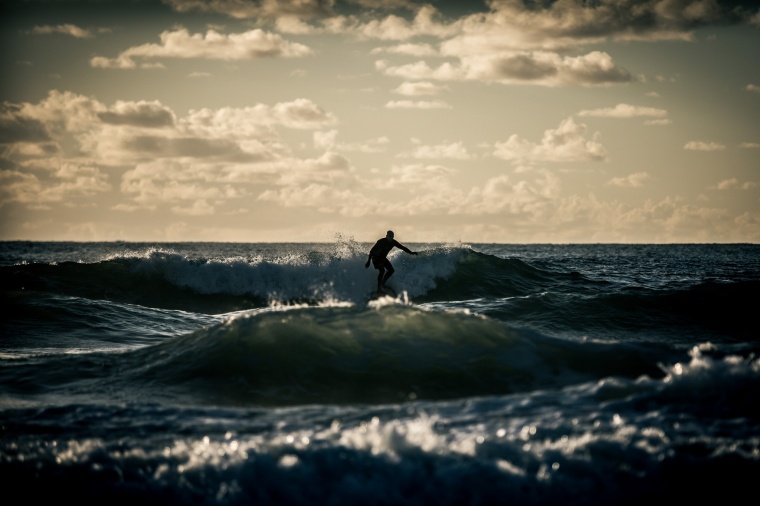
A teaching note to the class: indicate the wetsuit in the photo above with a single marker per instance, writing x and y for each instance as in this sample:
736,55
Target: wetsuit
379,256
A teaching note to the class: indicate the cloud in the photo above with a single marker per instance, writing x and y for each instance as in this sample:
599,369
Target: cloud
733,183
753,88
327,141
749,145
658,122
143,114
704,146
413,89
68,29
418,104
455,150
635,180
256,8
211,45
322,198
538,68
426,22
46,181
624,111
208,156
567,143
418,50
17,126
513,24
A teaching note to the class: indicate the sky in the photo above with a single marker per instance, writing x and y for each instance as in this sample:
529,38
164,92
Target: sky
502,121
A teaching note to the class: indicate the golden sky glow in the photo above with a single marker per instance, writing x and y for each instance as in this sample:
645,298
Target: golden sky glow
296,121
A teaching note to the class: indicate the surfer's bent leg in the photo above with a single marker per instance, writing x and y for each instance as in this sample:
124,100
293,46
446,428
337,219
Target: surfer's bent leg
389,271
380,272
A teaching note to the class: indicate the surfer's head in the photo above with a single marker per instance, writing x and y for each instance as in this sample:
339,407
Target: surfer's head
389,235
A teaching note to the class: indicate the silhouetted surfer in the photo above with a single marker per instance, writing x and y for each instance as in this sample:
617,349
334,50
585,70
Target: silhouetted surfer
379,257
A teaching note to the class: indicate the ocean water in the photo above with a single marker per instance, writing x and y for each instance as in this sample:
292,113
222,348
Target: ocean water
235,374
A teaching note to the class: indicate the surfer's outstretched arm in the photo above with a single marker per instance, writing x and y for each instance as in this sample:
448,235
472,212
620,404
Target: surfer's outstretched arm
404,248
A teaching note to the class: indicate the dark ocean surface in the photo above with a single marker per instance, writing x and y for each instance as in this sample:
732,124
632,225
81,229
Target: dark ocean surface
233,374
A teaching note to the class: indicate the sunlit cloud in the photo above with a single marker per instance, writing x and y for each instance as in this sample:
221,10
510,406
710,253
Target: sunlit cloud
256,9
201,157
211,45
567,143
537,68
418,50
624,111
419,88
455,150
417,104
704,146
68,29
734,184
636,180
327,140
658,122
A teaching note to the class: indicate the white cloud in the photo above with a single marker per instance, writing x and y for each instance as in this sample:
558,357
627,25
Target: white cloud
413,89
567,143
257,9
753,88
417,104
658,122
193,163
749,145
418,50
68,29
327,141
537,68
733,183
635,180
211,45
624,111
45,181
704,146
455,151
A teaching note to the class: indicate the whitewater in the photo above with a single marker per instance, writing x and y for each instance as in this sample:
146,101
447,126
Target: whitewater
267,373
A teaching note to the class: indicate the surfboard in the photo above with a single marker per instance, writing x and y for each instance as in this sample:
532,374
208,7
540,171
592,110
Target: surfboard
383,292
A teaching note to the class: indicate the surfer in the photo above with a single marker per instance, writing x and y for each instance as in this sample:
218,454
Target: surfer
379,257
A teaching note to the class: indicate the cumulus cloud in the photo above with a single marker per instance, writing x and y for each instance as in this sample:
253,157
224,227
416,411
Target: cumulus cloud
538,68
42,182
624,111
417,104
418,50
454,150
733,183
257,8
16,126
60,147
635,180
413,89
142,114
567,143
327,141
68,29
704,146
213,45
